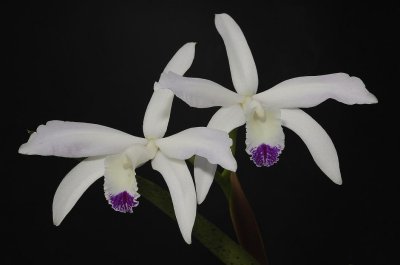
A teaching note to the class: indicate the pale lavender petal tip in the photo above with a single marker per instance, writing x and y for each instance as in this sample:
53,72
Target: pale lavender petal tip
123,202
265,155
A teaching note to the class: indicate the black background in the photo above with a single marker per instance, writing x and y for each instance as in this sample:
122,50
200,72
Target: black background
97,61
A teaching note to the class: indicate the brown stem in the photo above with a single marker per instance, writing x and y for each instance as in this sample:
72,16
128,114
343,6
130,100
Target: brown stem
244,222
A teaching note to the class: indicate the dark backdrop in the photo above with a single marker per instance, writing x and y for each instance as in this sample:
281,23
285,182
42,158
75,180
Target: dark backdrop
97,61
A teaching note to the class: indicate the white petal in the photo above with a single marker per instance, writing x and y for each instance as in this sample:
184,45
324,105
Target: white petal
241,62
74,184
76,139
227,118
206,142
157,114
180,185
204,173
309,91
199,93
158,110
182,60
317,140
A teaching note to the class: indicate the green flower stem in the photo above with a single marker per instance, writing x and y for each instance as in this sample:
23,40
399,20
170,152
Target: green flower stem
223,247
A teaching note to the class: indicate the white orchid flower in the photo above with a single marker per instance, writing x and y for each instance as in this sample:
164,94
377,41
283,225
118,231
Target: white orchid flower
115,155
265,113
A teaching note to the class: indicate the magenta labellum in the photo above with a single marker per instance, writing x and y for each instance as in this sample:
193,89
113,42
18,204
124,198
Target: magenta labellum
265,155
123,202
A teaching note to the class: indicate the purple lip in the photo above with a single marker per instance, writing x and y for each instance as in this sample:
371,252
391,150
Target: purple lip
265,155
123,202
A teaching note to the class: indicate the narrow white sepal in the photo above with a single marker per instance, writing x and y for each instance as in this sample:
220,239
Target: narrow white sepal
241,62
156,117
316,139
180,184
203,177
74,184
182,60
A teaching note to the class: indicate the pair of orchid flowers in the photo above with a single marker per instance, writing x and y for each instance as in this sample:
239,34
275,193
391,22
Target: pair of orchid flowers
115,154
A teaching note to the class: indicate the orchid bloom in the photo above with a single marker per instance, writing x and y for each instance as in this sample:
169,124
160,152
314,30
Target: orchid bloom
115,155
265,113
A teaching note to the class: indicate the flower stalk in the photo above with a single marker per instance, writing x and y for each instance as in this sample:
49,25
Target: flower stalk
242,216
222,246
244,222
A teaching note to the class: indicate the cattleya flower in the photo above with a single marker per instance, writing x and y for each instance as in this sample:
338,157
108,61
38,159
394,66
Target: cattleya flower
265,113
115,155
